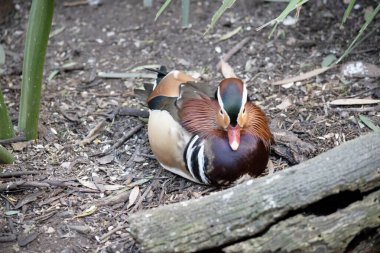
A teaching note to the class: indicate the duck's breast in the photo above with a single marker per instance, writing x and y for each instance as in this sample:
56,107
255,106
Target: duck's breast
227,165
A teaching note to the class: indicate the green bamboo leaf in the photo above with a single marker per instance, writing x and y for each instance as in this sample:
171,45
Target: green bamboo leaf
185,10
292,5
328,60
362,29
222,9
348,10
37,36
231,34
162,8
6,127
6,156
366,121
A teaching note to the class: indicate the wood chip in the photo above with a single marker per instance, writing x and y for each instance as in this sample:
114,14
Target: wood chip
355,101
133,196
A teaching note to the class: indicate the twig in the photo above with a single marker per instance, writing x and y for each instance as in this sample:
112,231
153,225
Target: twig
353,109
18,173
109,233
46,183
148,156
67,116
93,133
75,3
120,196
137,205
13,140
122,140
126,111
15,185
233,51
126,75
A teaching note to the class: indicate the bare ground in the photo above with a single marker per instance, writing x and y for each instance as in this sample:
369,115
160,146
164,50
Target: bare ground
50,209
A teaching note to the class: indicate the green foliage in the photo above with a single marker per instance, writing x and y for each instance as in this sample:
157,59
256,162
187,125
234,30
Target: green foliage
40,19
6,127
292,5
356,41
162,8
369,123
348,10
185,11
222,9
6,156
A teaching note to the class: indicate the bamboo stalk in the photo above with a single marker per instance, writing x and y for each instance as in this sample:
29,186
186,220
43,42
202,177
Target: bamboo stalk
6,156
6,127
41,15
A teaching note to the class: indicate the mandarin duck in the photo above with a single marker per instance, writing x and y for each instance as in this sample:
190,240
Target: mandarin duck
210,135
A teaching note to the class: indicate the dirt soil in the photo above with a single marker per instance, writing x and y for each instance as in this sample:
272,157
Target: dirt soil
74,167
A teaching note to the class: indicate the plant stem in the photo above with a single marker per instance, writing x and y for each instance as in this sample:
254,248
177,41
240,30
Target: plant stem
6,127
6,156
40,19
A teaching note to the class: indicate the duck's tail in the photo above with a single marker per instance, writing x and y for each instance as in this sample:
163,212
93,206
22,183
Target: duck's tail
149,87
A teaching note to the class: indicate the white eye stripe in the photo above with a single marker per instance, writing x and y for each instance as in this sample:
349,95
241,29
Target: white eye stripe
244,100
220,101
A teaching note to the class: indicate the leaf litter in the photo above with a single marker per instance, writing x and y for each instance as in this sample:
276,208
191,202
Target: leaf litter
115,160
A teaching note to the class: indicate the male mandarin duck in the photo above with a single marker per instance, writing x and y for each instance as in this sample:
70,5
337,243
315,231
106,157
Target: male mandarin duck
208,135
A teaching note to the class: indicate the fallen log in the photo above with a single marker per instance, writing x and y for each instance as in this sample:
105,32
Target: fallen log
328,187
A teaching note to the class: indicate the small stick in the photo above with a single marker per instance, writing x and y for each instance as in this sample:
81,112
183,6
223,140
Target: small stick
15,185
46,183
18,173
126,111
94,133
233,51
353,109
137,205
109,233
75,3
13,140
122,140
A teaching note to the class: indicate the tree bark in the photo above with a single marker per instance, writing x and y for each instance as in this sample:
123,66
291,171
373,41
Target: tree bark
339,189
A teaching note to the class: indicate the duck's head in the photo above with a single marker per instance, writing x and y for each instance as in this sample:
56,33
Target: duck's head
232,116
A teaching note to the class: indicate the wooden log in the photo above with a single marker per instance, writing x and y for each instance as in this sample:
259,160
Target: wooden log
249,209
312,233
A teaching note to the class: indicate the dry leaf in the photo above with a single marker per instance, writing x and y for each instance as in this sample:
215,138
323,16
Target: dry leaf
284,104
355,101
106,159
133,196
87,184
270,167
302,76
227,70
86,212
112,187
20,146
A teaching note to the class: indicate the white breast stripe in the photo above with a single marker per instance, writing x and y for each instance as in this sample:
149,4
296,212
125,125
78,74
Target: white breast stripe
201,164
190,150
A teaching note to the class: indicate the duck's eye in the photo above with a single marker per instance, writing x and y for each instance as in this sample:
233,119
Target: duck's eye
221,112
244,110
